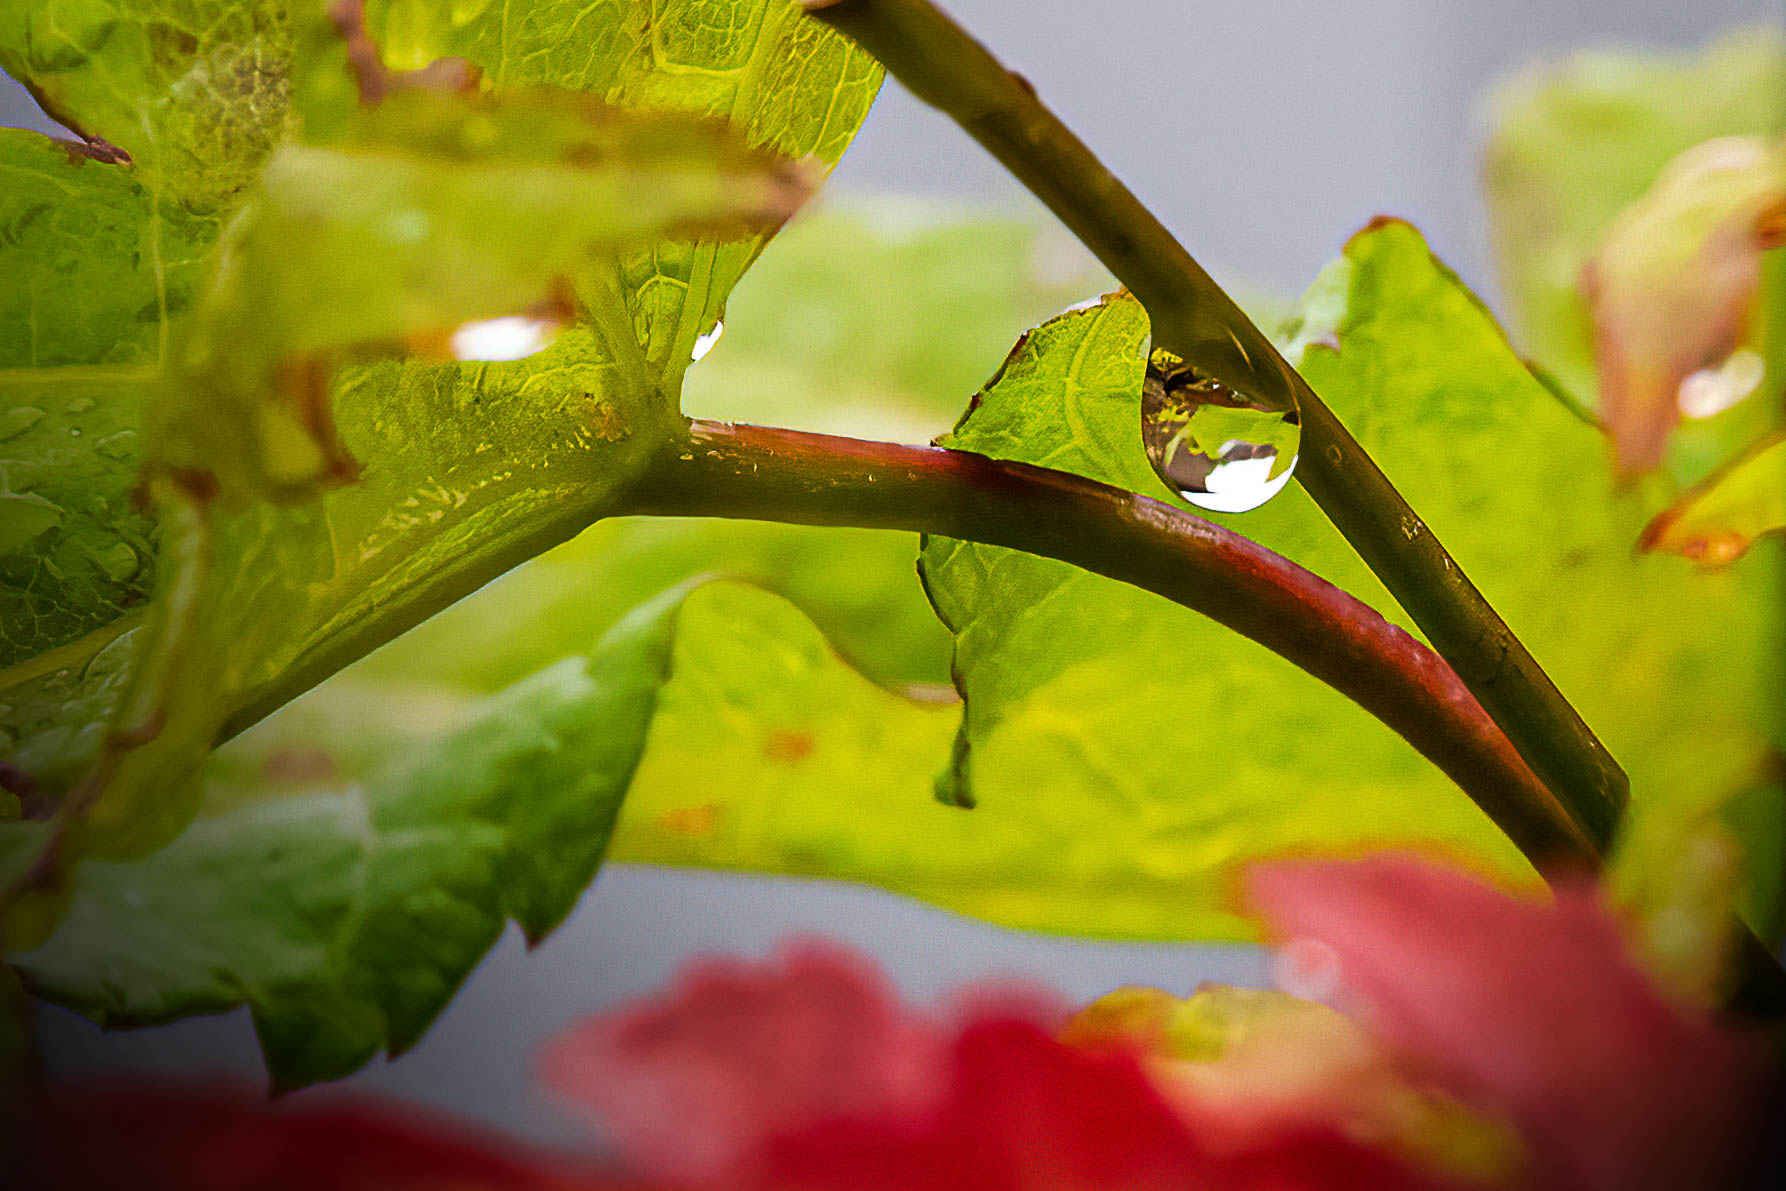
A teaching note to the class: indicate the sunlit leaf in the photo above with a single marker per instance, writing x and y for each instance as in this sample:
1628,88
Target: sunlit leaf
871,321
875,352
439,214
345,892
789,83
1718,521
1196,748
463,469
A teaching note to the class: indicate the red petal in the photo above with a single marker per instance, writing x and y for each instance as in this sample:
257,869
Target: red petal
1027,1113
693,1085
164,1137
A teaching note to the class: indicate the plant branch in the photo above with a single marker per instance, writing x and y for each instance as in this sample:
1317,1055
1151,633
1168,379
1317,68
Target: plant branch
1192,317
757,473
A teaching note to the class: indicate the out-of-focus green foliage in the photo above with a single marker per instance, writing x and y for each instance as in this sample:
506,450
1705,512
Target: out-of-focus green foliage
1576,144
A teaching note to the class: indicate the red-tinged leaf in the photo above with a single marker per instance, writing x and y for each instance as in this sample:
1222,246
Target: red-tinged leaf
694,1085
164,1137
1025,1112
1534,1010
1672,287
1717,522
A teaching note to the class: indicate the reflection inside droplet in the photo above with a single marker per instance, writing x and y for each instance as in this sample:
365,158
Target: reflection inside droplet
514,337
1223,451
705,343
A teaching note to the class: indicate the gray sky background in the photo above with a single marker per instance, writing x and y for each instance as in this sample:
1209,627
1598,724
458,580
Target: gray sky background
1262,131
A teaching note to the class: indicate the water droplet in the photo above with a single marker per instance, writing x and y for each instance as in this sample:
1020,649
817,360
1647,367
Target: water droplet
79,405
120,446
1223,451
514,337
705,343
15,422
1711,391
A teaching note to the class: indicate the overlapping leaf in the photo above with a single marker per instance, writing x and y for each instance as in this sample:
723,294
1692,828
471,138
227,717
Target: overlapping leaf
344,895
1210,751
789,83
464,469
177,933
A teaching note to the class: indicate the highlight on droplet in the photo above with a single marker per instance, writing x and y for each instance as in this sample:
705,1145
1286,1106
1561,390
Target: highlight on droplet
705,343
1710,391
512,337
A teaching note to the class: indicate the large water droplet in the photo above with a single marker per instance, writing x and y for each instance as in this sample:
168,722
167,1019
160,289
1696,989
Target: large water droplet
704,343
1223,450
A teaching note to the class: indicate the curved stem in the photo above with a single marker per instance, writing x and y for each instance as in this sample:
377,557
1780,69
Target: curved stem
1192,317
757,473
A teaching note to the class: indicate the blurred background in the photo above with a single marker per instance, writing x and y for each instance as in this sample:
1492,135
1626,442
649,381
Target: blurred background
1264,132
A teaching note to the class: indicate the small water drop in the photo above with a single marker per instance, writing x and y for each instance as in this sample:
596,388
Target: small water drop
79,405
15,422
514,337
1223,451
705,343
1710,391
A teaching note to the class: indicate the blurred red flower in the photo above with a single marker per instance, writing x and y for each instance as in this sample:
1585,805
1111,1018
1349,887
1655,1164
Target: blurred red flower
1497,1041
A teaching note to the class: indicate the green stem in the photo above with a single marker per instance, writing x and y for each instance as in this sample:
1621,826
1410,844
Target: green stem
1192,317
792,476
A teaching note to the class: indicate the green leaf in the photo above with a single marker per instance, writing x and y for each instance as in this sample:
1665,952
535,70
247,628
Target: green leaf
871,321
893,313
345,894
438,209
467,469
195,91
1575,144
791,84
1193,751
94,270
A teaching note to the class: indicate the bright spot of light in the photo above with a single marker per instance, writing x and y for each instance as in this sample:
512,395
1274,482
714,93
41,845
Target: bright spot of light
705,343
1711,391
511,338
